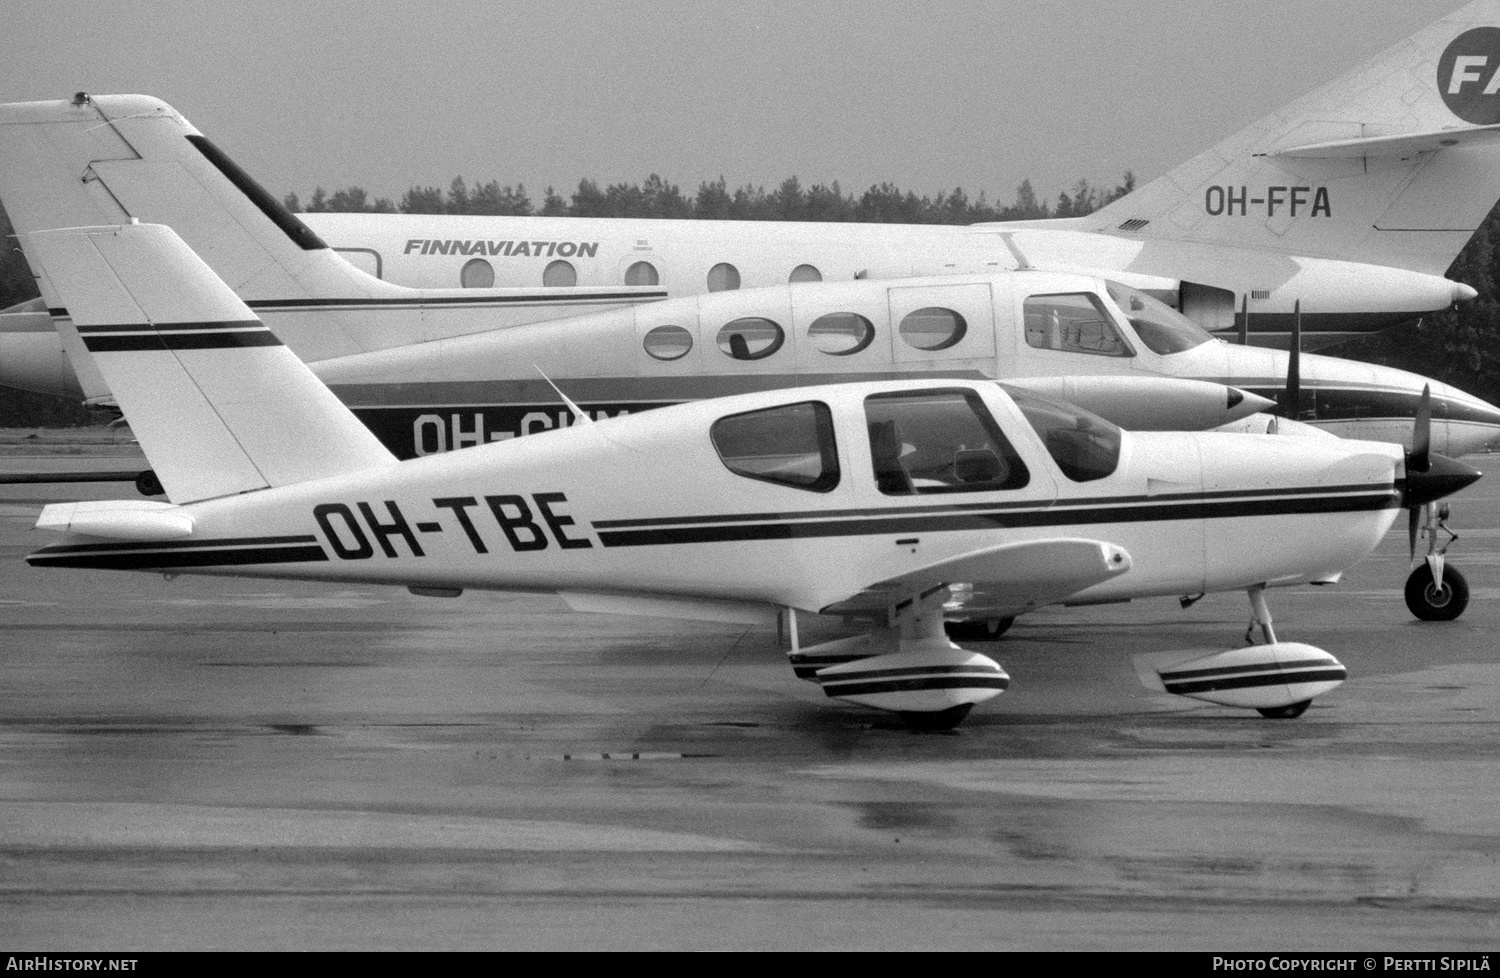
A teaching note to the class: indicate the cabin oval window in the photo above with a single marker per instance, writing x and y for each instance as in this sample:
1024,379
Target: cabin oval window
805,273
933,328
477,274
642,273
790,445
841,334
723,277
751,338
668,343
560,275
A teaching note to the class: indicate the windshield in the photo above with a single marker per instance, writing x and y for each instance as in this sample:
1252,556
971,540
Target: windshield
1084,445
1163,329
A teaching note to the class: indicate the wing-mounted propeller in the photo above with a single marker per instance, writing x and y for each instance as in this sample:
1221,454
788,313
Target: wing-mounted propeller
1291,397
1245,320
1429,476
1418,459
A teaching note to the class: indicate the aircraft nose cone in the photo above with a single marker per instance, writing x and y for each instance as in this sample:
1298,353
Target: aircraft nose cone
1254,402
1463,293
1444,477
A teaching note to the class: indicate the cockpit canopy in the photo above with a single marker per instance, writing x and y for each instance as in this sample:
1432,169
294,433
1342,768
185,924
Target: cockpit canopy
1163,329
1084,446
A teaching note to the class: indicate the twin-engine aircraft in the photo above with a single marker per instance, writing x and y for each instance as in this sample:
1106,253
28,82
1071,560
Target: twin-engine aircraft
1352,201
893,502
1341,212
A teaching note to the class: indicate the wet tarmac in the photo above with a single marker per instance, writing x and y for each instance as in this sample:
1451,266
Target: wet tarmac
204,763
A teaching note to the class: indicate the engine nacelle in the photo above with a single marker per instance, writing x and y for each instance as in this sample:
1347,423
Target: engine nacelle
1258,677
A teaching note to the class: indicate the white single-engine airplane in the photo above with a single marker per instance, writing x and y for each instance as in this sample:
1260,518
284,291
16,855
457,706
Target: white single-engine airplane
888,501
430,370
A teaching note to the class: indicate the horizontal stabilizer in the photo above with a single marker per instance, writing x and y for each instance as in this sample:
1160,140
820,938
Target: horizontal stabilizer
1408,144
119,519
1015,576
215,400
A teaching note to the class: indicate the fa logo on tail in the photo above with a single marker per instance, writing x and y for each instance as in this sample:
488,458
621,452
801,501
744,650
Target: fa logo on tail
1468,76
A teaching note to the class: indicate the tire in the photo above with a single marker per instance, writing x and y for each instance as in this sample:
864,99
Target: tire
1289,712
1431,602
982,630
147,484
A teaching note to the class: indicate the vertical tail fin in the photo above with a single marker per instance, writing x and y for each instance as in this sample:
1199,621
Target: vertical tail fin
1395,163
118,159
219,405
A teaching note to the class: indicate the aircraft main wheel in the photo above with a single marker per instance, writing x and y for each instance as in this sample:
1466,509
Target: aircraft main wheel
1289,712
984,630
941,720
1431,601
147,484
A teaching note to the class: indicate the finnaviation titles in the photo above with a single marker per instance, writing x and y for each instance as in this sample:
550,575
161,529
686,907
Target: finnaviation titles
508,249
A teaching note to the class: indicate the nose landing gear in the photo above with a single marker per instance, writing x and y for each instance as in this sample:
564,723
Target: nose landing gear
1435,591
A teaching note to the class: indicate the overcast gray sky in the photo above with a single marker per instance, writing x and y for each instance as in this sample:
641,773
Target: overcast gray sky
926,95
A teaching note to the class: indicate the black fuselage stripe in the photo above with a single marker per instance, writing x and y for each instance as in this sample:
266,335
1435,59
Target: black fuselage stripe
998,520
545,298
218,543
990,507
175,559
185,327
180,341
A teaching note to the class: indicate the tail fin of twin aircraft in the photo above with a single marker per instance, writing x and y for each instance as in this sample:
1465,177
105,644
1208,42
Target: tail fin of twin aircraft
116,159
1395,163
121,158
219,405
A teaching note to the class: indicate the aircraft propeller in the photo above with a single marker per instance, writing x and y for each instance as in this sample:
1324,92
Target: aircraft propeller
1294,367
1429,476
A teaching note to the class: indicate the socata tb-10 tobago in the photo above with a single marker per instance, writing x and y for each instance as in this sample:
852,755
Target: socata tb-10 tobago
888,501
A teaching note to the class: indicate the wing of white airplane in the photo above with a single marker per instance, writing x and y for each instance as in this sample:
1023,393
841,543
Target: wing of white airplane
1015,577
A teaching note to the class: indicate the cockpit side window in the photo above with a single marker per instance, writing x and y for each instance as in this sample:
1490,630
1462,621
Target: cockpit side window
1074,322
790,445
1084,445
936,441
1163,329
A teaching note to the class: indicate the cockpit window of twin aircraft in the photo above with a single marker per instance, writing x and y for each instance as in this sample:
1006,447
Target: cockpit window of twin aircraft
1073,322
1160,327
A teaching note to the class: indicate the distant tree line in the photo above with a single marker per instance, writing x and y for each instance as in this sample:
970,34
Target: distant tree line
1459,346
656,198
